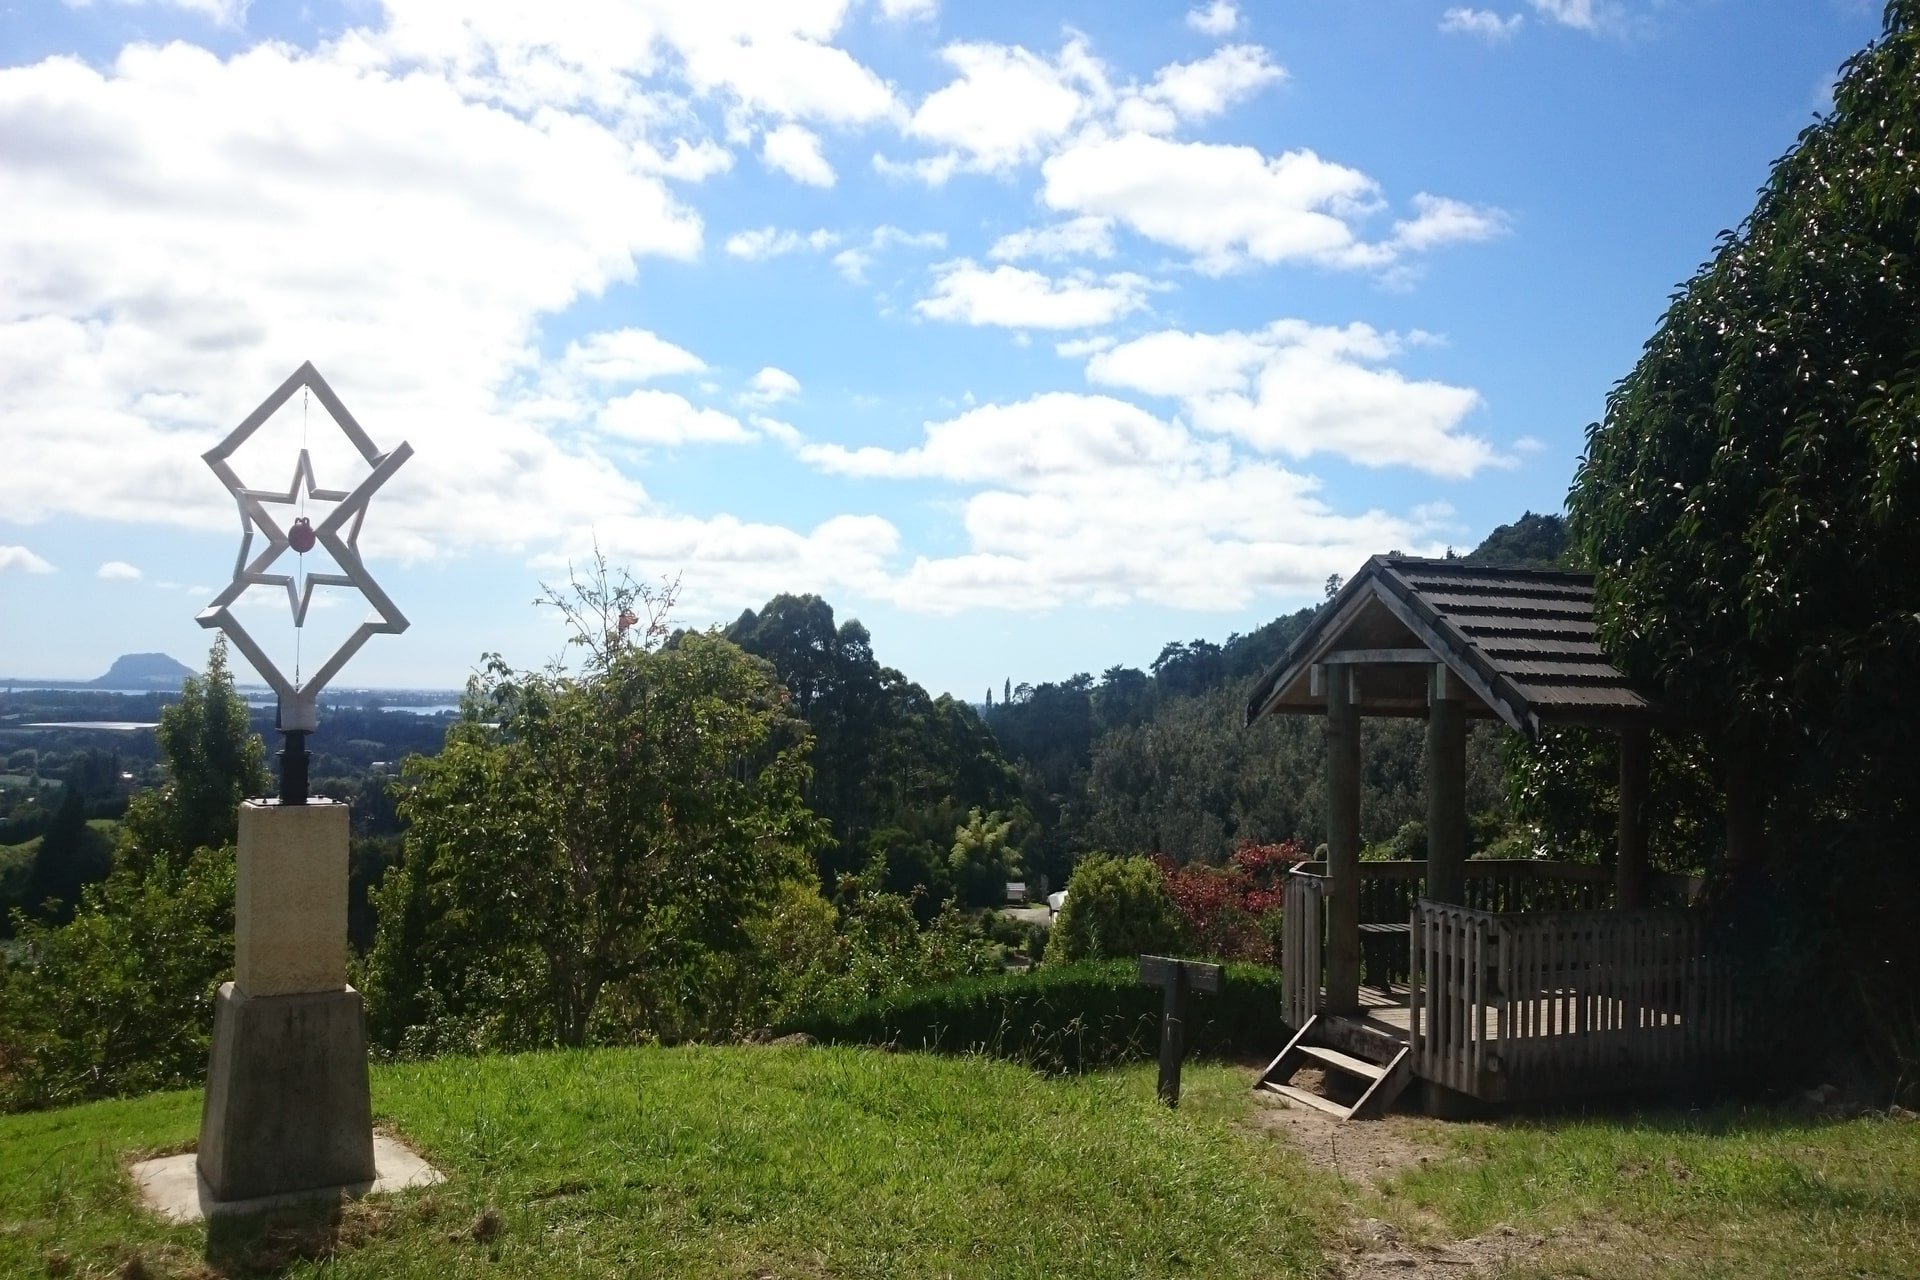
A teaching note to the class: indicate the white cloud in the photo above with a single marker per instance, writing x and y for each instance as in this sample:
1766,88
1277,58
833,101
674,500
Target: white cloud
1077,237
1300,389
1076,348
1188,91
664,418
23,560
118,571
773,242
909,10
1224,204
1015,298
852,263
1440,221
179,223
771,386
1592,16
795,151
627,355
1484,23
1005,107
1231,206
761,60
1092,500
225,13
1217,19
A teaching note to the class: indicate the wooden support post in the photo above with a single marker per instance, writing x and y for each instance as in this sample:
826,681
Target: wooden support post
1630,864
1745,822
1343,842
1446,789
1175,978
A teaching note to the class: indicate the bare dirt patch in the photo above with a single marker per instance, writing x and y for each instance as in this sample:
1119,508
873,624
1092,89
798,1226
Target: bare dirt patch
1370,1153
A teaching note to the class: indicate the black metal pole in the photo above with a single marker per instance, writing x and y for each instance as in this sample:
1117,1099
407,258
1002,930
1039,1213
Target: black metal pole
293,766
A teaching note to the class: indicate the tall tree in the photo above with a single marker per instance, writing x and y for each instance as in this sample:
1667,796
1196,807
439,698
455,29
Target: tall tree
213,761
589,839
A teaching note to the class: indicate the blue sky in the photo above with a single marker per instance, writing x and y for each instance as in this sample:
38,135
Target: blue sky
1033,335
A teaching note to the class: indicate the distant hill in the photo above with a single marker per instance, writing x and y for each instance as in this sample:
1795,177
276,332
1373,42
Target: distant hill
143,671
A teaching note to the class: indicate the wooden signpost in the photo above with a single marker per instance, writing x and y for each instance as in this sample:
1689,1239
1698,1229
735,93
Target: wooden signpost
1175,978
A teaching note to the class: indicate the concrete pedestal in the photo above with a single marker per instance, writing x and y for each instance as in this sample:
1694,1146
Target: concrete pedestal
287,1105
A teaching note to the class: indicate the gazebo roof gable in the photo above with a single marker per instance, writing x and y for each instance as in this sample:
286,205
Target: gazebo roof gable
1521,640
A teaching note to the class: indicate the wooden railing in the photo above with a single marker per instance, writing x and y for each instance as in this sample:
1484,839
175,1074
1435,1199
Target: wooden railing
1302,937
1388,890
1512,1006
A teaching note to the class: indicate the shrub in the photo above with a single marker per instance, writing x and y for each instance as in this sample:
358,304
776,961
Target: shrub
1058,1018
1116,907
1233,912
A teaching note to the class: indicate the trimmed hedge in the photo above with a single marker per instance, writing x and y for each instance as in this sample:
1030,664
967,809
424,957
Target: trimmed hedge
1058,1018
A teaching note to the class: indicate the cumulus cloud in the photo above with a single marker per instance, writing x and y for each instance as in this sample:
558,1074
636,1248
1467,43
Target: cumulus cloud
1230,206
909,10
1441,221
666,418
1005,107
771,386
795,151
1190,91
1300,389
774,242
1217,19
627,355
118,571
1015,298
1077,237
1484,23
763,61
21,559
1088,499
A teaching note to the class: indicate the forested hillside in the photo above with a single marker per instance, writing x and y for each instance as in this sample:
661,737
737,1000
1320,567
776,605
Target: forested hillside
1161,760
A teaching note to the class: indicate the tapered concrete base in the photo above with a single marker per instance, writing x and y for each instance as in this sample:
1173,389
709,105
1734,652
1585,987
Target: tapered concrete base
287,1105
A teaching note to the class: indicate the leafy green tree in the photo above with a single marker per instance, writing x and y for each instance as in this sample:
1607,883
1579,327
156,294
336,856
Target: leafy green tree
1116,908
71,857
589,839
1534,540
213,760
1751,504
120,999
983,858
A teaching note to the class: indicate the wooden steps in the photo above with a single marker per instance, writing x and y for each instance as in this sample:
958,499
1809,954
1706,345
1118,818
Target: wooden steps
1377,1065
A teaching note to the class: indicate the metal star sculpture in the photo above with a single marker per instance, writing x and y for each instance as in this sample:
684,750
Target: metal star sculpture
339,533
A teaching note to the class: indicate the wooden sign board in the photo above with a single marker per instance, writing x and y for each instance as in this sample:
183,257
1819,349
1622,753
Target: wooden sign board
1159,971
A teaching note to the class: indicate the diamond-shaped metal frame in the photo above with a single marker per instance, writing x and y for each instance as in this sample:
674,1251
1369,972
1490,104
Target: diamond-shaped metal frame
339,533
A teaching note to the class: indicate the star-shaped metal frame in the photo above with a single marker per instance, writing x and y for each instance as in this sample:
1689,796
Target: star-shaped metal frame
339,533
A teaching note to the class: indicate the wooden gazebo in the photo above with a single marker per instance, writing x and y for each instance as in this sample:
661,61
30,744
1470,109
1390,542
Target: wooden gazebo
1522,979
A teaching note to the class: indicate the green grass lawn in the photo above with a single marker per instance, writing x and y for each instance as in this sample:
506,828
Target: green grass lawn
724,1162
754,1162
1725,1193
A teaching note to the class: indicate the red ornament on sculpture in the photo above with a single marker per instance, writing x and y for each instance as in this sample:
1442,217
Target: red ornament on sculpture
300,537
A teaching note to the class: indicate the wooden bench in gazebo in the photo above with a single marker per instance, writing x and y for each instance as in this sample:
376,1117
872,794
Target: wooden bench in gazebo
1522,979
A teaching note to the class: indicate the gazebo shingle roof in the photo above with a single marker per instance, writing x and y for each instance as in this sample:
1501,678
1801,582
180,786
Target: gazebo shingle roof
1522,639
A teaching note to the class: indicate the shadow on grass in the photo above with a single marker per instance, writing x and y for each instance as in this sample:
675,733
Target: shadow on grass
270,1244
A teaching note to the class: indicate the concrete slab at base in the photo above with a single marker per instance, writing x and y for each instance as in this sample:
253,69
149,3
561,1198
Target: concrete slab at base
287,1105
172,1187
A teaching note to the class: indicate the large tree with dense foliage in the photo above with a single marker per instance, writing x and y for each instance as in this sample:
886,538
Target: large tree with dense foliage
590,839
1752,499
1751,504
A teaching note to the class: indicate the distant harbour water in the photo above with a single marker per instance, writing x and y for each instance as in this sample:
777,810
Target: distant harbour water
105,726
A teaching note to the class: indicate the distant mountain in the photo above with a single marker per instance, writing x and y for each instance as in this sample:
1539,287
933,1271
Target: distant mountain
143,671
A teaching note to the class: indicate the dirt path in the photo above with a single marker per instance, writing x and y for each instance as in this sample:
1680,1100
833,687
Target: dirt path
1369,1153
